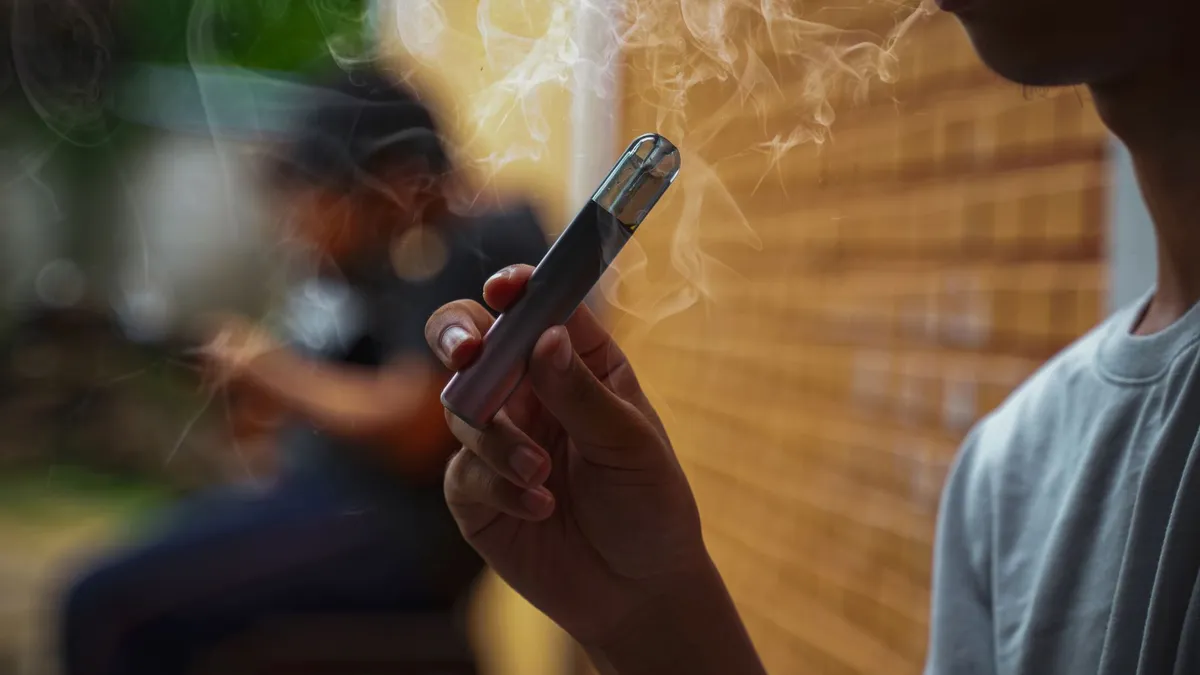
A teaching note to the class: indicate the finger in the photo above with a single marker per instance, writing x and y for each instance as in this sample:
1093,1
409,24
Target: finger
593,342
477,495
522,406
454,332
601,423
602,355
506,286
506,449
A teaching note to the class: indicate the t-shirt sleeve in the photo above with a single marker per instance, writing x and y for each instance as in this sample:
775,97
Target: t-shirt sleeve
961,636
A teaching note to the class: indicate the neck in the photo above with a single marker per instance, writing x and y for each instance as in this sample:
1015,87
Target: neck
1157,116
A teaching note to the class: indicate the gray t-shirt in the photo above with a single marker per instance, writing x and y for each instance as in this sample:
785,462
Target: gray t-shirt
1069,536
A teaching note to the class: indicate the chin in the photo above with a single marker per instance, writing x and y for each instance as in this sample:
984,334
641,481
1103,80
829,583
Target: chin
1032,73
1025,65
1050,62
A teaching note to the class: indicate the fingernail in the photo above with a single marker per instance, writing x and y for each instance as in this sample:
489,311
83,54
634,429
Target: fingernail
452,337
502,274
526,463
539,501
563,355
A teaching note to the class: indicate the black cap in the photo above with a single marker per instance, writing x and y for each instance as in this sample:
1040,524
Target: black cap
361,121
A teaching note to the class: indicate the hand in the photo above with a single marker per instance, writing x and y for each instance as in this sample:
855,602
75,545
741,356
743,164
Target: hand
233,344
573,494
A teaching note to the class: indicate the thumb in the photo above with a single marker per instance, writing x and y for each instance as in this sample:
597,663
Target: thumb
605,428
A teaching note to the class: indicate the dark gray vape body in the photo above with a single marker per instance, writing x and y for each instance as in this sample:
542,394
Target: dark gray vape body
563,278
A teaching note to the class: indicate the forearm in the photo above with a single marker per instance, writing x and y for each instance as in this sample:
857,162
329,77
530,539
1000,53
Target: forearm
694,630
334,398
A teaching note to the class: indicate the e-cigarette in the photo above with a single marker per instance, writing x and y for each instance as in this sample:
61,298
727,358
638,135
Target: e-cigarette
564,277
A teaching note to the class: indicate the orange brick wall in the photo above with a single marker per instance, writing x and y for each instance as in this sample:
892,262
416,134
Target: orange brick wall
911,273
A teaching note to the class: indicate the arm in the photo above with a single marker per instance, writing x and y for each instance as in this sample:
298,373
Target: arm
961,634
396,408
694,630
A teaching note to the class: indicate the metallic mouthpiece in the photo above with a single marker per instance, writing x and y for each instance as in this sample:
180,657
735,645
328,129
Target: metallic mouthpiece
639,179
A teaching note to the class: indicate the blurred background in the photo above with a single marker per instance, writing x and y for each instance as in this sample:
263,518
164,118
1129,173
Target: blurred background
874,240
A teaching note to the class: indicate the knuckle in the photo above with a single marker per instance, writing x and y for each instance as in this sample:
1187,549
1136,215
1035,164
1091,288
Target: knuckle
630,427
469,480
622,380
480,478
494,444
489,447
579,384
454,484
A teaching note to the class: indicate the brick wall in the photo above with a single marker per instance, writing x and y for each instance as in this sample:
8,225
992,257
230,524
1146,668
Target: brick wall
911,273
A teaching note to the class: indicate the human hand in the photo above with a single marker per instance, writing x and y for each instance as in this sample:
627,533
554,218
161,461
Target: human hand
232,344
573,494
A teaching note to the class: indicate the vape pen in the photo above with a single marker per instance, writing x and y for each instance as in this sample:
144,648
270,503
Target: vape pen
563,279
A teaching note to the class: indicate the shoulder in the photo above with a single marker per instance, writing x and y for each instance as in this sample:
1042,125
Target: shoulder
1024,425
506,236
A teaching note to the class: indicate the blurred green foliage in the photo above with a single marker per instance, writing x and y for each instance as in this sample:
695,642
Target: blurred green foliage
277,35
60,97
67,127
64,492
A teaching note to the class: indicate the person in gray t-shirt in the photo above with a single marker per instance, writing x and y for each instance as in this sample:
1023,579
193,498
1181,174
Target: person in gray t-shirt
1068,540
1069,535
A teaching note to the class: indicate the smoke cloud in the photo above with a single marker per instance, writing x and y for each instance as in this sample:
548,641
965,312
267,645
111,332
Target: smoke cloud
699,66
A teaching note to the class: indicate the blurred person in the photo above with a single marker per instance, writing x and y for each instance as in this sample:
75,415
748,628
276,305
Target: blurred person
355,521
1066,541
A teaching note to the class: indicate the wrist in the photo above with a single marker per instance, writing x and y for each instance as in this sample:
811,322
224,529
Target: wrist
692,626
